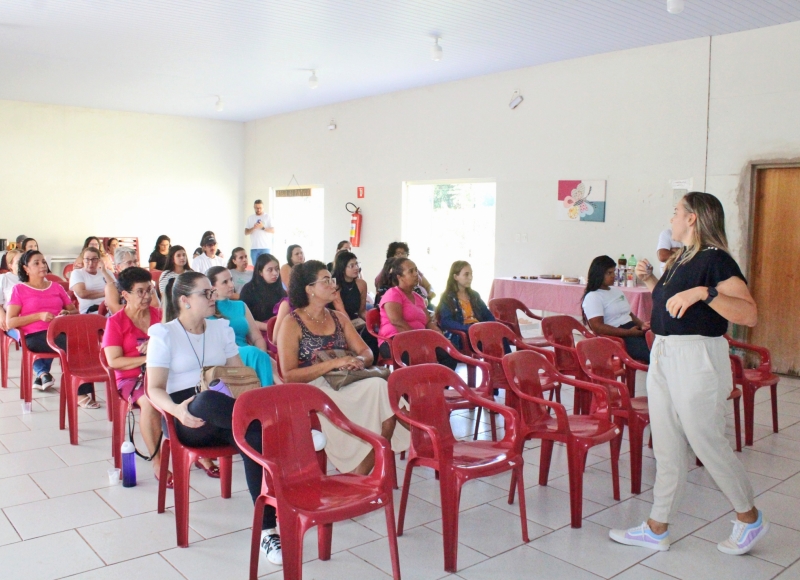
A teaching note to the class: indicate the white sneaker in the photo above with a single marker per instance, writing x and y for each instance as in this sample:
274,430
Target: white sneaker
744,536
320,441
641,536
271,547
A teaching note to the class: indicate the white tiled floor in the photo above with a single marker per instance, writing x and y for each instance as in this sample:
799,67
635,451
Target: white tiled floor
59,517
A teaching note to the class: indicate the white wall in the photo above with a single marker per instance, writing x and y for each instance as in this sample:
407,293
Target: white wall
67,173
635,118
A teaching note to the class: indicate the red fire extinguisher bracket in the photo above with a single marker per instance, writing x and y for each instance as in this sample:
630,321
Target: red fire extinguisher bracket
356,221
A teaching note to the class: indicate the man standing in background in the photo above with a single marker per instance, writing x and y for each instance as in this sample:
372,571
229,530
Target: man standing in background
259,228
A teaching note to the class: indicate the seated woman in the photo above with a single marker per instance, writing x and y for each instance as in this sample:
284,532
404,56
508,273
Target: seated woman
192,338
252,348
159,255
294,256
403,309
7,283
90,242
312,328
29,244
607,311
124,258
237,266
34,303
352,296
177,263
210,256
88,283
459,305
125,347
343,246
400,250
265,291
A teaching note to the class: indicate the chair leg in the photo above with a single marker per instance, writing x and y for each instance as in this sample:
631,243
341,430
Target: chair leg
162,475
390,528
404,497
4,354
546,454
255,538
62,408
576,458
523,512
450,492
737,428
324,539
180,478
513,487
292,548
108,402
616,444
636,434
493,424
774,395
477,423
225,475
71,387
749,396
471,376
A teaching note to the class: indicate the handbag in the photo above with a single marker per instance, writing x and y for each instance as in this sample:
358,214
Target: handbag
343,377
236,379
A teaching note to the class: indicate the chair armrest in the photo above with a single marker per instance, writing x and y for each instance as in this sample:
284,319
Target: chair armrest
509,414
531,314
634,364
465,349
548,354
763,353
560,410
432,432
622,388
247,449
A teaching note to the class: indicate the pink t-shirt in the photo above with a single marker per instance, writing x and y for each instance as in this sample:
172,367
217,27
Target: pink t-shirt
122,332
414,313
52,299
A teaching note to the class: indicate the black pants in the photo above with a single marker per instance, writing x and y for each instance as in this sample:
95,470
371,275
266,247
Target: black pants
441,356
37,342
216,409
636,345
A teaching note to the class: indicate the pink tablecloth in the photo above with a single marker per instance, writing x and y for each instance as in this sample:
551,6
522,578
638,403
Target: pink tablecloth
556,296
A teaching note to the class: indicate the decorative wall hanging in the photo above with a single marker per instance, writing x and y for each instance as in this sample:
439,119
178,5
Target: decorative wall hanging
583,201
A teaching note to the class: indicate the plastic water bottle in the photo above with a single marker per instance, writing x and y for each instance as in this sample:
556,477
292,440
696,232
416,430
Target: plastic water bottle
632,266
128,464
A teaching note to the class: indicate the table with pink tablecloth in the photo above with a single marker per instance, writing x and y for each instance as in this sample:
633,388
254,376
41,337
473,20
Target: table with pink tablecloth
563,298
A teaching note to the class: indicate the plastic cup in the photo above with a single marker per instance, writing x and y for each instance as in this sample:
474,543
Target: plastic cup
26,408
113,476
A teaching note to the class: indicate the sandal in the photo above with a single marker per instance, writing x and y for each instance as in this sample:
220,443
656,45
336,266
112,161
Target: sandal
212,471
170,481
87,402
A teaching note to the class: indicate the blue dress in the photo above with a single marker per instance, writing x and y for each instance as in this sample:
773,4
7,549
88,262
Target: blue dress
253,357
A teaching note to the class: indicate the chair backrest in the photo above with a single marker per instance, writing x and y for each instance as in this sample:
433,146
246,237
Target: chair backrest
63,283
423,387
524,370
102,310
374,322
55,278
270,337
68,270
84,333
597,357
416,347
489,340
650,337
155,275
505,310
285,413
558,330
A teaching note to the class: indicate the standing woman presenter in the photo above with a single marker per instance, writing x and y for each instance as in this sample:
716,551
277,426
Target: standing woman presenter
689,381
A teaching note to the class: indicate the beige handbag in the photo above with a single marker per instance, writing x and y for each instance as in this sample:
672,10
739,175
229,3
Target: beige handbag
341,378
236,379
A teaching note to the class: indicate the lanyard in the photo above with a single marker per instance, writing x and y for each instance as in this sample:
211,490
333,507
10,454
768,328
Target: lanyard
199,362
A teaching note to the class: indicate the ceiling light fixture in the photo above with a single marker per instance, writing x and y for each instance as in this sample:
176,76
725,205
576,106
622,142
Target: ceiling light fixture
516,99
332,125
220,106
313,81
675,6
436,50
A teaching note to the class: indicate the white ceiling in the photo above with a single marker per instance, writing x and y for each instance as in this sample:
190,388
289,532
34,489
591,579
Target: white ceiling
174,56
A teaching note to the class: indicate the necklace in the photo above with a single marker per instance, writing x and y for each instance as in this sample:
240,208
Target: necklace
324,313
199,361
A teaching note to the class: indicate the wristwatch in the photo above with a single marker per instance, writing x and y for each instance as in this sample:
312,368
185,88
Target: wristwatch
712,293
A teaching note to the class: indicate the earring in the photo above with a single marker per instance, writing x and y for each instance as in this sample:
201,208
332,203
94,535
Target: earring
312,294
188,306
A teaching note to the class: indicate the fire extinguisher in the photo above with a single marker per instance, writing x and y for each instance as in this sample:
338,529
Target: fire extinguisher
356,219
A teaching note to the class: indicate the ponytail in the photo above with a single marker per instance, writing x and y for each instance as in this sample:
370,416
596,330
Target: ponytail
178,286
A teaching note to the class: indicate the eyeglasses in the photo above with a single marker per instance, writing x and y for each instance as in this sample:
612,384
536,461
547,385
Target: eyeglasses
354,265
91,260
209,294
142,292
326,281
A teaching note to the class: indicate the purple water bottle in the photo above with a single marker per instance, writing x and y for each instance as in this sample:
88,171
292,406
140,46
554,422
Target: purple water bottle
128,464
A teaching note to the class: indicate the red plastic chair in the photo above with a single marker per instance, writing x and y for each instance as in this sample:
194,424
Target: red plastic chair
598,358
293,482
56,278
102,309
80,363
374,327
466,350
419,347
488,342
26,369
119,411
457,462
505,311
524,371
183,457
272,346
68,271
750,380
558,330
5,352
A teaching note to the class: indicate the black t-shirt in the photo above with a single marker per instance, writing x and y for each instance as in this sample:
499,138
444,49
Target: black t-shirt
159,259
708,268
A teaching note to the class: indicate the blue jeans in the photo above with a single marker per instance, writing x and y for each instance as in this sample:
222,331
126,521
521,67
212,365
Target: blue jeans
255,253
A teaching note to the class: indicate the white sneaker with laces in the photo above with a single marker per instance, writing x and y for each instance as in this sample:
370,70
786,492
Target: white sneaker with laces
744,536
641,536
271,547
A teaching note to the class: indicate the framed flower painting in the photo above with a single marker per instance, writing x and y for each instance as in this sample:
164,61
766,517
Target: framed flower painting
583,201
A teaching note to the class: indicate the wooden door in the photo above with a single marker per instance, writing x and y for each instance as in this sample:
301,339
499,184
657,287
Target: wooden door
774,276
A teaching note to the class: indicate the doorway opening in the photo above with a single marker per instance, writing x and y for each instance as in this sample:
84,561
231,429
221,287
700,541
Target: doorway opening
298,217
445,221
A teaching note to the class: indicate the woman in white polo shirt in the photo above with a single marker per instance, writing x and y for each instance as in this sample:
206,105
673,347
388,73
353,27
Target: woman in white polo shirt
607,311
88,282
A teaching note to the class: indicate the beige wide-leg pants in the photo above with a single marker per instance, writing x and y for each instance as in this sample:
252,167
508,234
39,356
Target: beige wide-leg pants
688,386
